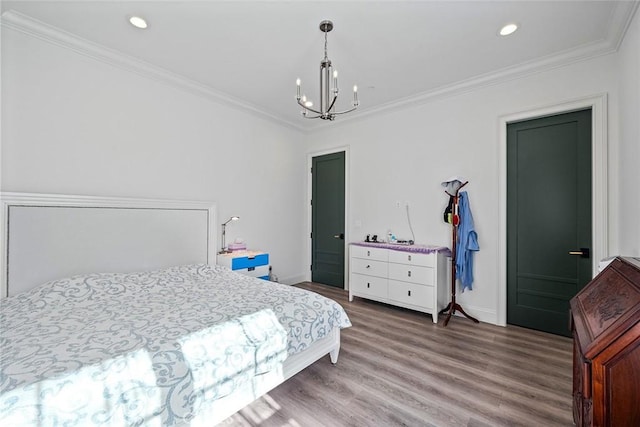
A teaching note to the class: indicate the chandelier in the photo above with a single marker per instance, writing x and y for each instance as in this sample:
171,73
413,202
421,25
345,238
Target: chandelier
328,87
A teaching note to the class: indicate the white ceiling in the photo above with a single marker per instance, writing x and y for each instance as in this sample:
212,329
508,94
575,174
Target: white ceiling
249,53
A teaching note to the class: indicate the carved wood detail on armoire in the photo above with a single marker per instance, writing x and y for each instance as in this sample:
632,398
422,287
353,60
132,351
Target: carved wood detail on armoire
605,321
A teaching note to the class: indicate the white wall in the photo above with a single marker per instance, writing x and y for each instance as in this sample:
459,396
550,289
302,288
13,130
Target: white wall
628,171
73,125
404,155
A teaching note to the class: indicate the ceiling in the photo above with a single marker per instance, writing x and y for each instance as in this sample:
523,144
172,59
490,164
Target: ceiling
249,53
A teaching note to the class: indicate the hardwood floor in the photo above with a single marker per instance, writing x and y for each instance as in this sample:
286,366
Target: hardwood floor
397,368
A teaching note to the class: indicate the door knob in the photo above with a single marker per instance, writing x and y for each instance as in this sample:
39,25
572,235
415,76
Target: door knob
583,252
339,236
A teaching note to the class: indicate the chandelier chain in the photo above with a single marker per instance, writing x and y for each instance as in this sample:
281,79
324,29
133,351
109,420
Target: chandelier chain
325,46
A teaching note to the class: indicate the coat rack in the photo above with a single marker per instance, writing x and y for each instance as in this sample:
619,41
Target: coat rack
453,306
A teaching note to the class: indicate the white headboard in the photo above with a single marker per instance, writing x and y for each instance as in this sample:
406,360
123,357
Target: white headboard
47,237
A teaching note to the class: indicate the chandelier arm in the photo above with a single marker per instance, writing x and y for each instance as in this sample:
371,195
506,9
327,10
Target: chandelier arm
307,108
332,102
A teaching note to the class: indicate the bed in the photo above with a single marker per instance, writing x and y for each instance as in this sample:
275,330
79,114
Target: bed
185,344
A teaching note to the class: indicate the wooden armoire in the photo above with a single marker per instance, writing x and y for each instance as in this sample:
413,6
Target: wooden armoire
606,347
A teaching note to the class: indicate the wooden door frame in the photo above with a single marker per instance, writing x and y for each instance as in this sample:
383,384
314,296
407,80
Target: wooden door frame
599,184
309,248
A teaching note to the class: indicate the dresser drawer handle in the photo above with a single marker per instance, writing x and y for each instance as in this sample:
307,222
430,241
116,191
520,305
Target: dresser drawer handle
409,293
409,257
409,273
368,266
368,285
368,253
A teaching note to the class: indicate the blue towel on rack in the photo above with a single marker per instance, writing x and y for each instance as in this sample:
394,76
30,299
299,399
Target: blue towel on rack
467,243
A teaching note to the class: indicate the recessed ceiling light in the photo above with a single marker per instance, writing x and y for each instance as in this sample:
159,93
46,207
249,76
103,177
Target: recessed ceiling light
508,29
138,22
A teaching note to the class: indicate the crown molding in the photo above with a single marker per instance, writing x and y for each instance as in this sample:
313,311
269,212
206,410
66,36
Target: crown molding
17,21
620,19
490,79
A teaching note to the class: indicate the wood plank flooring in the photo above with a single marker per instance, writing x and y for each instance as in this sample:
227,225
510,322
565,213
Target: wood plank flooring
397,368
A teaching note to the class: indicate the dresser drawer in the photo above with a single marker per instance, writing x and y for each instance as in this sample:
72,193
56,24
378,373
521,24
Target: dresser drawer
261,271
368,285
411,273
410,293
369,267
250,263
401,257
377,254
239,263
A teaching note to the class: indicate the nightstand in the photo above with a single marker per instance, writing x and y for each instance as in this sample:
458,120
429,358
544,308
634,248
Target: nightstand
249,263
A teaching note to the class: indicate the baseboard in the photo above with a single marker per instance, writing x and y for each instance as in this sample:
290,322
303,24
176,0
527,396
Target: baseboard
292,280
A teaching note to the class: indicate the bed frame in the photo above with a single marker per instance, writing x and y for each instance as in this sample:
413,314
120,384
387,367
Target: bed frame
49,236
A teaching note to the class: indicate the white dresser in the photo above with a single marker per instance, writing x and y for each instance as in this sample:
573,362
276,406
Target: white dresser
413,277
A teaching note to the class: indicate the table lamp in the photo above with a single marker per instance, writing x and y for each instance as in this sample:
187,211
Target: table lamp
224,249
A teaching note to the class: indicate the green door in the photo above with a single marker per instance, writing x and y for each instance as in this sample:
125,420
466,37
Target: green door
548,218
327,222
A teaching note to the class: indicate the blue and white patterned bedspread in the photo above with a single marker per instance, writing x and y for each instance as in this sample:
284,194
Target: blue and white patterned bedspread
147,348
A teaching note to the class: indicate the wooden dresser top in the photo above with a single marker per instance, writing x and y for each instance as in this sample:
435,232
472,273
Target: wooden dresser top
608,306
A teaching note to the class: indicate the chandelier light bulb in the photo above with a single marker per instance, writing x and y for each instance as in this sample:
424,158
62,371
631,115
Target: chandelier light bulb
298,82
